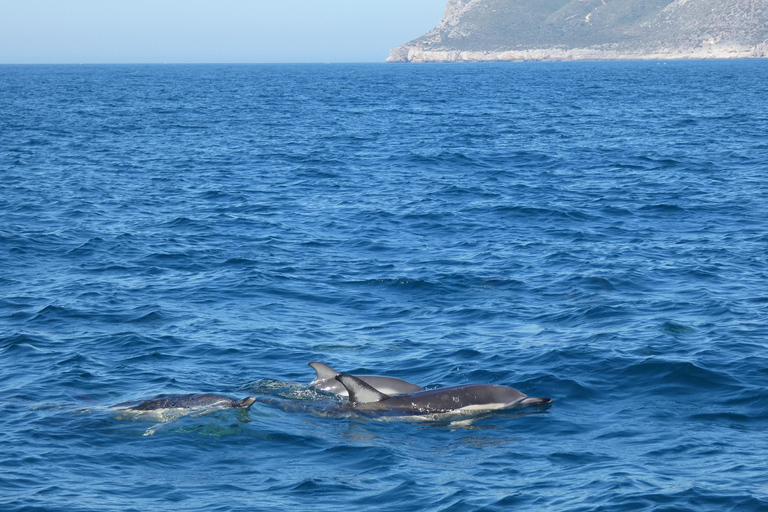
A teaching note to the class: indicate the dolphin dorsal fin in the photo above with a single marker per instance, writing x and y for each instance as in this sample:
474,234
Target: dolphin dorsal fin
324,372
359,391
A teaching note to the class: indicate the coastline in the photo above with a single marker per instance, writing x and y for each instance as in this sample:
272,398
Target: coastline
417,54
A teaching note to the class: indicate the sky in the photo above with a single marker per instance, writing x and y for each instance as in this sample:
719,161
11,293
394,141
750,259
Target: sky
209,31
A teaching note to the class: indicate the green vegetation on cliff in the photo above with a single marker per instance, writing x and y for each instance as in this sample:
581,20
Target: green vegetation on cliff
634,28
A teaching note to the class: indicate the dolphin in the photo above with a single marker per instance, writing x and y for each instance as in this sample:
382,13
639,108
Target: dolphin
166,409
164,402
326,381
455,399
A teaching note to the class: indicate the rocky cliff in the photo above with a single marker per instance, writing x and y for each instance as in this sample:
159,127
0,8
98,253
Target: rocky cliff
510,30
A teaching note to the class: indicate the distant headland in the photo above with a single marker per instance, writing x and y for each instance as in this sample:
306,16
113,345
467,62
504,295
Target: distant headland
561,30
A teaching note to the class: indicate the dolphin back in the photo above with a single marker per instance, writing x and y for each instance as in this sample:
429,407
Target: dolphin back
390,385
190,402
326,381
468,398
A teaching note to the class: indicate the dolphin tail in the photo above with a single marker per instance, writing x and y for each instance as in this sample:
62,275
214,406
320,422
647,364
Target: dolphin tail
534,401
244,403
359,391
324,372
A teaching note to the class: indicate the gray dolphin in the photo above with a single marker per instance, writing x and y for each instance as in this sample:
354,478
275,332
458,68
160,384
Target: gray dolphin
326,381
455,399
191,402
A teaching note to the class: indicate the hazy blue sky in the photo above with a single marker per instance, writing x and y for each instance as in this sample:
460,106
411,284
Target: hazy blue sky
181,31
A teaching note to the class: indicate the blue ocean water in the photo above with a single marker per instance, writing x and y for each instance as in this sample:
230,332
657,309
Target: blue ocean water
592,232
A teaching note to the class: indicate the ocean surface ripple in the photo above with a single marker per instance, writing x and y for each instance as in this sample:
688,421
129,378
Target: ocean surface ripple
592,232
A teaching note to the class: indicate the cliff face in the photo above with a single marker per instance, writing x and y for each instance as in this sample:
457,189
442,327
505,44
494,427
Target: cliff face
479,30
